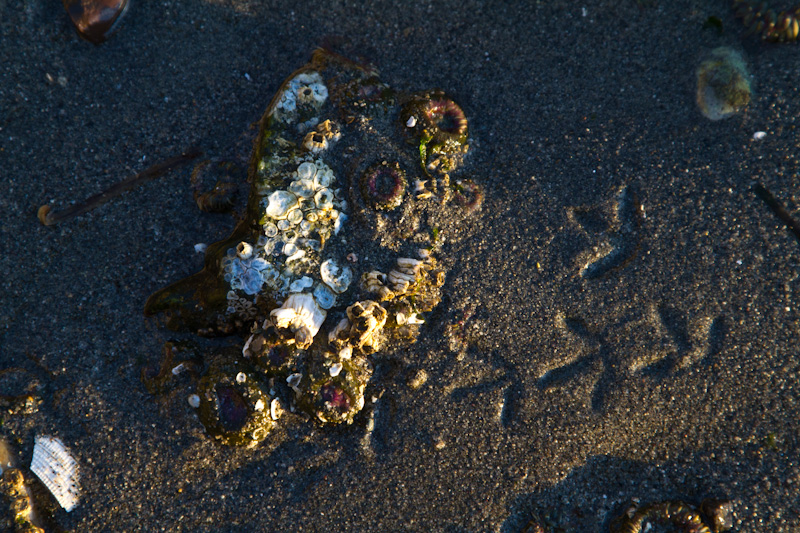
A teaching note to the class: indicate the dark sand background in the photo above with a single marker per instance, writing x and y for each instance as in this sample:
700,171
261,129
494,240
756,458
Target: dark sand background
673,376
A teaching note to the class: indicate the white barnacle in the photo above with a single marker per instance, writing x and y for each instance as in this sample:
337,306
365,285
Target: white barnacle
324,199
280,202
244,250
306,171
335,369
302,315
270,229
57,469
304,188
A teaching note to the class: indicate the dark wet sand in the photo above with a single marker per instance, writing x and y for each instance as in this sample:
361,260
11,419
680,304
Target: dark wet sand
671,373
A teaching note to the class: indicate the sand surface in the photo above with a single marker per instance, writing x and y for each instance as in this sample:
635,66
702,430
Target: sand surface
668,370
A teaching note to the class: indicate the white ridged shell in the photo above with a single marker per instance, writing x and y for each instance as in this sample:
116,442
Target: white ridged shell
56,468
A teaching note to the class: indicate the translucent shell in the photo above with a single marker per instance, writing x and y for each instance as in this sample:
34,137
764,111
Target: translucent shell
723,84
57,469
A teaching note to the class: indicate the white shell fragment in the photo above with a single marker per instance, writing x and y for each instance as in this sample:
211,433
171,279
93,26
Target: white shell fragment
56,468
194,400
336,277
299,284
335,369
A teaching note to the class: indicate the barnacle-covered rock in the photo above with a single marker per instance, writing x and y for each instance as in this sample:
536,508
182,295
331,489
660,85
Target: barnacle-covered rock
234,404
343,168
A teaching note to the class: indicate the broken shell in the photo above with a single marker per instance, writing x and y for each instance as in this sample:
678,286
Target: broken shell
336,277
57,469
301,284
324,296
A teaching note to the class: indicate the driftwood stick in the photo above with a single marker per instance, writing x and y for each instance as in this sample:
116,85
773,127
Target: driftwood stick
49,218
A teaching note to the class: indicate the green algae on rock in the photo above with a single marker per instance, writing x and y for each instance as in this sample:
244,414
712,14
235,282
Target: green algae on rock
336,257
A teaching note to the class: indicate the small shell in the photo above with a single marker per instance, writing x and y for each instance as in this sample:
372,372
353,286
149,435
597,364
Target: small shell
57,469
275,409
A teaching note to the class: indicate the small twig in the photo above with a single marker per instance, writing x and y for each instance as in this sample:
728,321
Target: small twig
49,218
776,207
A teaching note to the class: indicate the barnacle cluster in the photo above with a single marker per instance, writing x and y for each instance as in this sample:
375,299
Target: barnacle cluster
723,84
714,516
759,18
338,172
